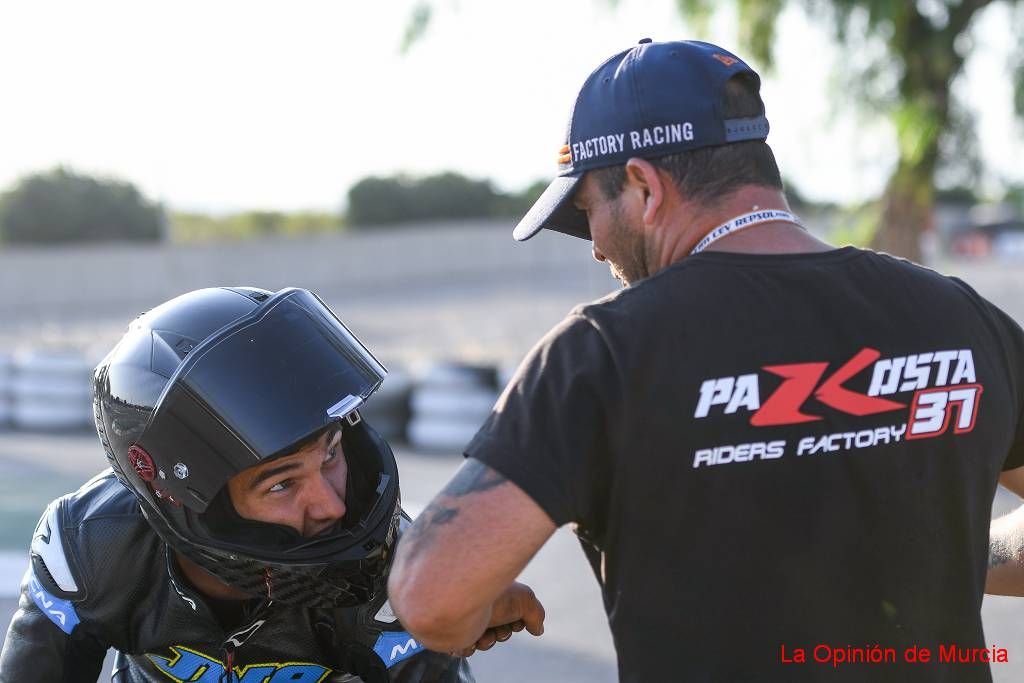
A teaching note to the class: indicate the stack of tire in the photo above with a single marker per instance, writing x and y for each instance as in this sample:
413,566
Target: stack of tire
449,403
51,391
387,410
5,391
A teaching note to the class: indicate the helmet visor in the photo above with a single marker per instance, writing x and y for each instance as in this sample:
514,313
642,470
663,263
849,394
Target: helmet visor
256,390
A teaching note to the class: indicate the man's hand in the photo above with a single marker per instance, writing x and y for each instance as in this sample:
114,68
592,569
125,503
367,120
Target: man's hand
515,609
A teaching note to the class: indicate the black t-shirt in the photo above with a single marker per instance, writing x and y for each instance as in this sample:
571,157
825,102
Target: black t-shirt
773,454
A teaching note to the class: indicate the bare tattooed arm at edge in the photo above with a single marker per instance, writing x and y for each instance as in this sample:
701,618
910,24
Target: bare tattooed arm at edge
452,581
1006,544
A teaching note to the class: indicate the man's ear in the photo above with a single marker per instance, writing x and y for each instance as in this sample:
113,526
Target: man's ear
647,185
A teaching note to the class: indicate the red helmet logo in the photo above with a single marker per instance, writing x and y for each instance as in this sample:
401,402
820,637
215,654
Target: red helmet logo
141,463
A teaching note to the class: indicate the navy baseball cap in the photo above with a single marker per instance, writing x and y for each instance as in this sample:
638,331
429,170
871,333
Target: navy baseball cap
648,101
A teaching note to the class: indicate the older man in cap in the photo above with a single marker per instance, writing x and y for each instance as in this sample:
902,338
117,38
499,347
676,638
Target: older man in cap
779,455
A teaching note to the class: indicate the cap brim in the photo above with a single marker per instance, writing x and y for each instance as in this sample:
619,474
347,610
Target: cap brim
554,210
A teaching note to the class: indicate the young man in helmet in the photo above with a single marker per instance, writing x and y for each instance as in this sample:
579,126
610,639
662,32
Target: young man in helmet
245,530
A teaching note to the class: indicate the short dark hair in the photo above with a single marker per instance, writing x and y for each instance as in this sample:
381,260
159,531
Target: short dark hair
710,173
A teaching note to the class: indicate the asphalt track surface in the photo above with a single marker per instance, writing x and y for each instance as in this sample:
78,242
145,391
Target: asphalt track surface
576,646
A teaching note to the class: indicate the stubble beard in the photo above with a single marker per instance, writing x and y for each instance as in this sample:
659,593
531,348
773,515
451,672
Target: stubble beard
627,253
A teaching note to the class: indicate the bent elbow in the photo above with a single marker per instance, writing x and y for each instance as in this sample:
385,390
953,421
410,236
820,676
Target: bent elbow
435,632
428,617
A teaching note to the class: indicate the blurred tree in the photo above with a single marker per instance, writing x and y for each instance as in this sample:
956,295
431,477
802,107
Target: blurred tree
451,195
376,201
63,206
397,199
1015,198
517,204
797,200
417,24
924,46
915,49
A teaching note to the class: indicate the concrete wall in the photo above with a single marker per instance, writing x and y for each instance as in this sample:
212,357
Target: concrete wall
413,293
470,277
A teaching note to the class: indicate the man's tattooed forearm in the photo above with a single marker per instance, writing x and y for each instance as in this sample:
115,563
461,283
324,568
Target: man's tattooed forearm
434,515
1006,549
473,477
999,552
441,515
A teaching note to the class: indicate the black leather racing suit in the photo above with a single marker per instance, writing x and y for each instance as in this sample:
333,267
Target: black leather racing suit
100,577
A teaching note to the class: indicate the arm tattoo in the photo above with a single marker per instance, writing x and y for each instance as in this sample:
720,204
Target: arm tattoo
999,552
434,515
472,477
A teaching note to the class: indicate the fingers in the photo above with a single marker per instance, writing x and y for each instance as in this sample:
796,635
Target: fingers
502,633
518,603
532,615
515,610
496,634
509,605
490,637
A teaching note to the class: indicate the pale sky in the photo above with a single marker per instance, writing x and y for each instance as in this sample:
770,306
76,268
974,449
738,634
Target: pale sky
231,105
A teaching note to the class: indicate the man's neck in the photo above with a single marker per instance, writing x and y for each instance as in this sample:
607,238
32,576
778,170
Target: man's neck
774,237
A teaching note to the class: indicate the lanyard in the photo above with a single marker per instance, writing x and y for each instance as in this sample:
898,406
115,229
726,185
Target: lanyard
742,222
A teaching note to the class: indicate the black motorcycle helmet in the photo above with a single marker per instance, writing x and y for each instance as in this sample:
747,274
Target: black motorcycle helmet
220,380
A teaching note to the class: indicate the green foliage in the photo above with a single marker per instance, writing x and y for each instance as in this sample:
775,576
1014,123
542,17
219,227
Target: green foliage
800,202
758,19
1018,88
417,25
698,13
399,199
917,129
517,204
62,206
904,58
197,227
1015,197
856,225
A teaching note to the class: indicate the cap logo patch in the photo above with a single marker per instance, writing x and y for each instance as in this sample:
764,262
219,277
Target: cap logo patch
728,61
564,155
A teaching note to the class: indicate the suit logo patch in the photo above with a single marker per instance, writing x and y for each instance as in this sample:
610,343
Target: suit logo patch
60,612
394,646
186,664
